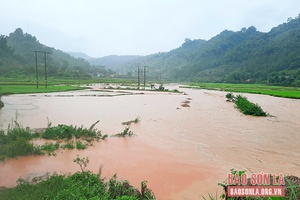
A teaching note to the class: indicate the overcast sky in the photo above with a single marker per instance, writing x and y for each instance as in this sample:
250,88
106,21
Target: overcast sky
137,27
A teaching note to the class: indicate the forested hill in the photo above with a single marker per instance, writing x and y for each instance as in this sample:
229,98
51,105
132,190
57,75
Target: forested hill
18,61
245,56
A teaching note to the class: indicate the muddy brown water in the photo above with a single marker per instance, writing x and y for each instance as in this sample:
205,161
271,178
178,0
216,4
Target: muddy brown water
183,152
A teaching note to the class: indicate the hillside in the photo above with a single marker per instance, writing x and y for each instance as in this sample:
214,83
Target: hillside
18,60
245,56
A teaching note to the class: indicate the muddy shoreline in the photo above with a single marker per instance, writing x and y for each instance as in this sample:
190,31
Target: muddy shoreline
182,151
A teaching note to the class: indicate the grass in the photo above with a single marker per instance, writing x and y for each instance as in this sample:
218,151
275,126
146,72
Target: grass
18,141
245,106
25,89
80,185
278,91
23,86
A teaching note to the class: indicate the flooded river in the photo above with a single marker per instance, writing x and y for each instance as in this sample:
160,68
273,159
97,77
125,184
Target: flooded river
183,151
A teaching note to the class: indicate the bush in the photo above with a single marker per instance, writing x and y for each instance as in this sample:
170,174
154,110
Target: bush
16,142
245,106
249,108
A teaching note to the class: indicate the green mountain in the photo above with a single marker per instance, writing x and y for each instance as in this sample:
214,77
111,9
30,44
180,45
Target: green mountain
245,56
18,61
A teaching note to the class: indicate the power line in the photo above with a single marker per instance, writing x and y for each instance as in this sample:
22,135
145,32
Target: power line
143,73
36,67
145,76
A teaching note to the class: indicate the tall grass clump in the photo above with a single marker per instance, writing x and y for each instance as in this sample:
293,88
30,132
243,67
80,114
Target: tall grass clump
16,142
63,131
245,106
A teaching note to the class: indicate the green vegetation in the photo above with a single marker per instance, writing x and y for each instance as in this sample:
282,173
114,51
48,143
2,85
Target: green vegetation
245,106
17,86
125,133
80,145
18,141
136,120
25,89
245,56
81,185
249,108
279,91
50,148
62,131
18,62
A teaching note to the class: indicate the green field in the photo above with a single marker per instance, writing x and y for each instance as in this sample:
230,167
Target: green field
278,91
22,86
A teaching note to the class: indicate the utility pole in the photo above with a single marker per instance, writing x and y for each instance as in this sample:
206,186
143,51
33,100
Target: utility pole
45,57
145,77
138,77
36,71
36,67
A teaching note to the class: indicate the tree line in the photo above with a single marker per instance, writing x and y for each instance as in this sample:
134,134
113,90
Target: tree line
245,56
17,60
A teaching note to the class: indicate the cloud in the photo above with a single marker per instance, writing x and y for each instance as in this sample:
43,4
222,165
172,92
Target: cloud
139,27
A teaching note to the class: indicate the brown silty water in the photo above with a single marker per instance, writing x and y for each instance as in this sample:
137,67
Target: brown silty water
183,152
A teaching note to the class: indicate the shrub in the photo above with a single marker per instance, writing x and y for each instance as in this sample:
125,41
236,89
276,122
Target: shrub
249,108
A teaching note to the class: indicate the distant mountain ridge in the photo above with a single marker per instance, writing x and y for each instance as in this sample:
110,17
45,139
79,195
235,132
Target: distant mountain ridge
79,55
245,56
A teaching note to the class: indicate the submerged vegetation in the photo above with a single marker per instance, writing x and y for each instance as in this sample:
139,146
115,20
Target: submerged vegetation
125,133
135,121
19,141
81,185
245,106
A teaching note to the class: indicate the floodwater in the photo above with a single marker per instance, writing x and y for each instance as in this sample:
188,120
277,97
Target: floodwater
183,152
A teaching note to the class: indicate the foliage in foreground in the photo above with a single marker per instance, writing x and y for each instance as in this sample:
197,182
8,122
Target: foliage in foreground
245,106
81,185
18,141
